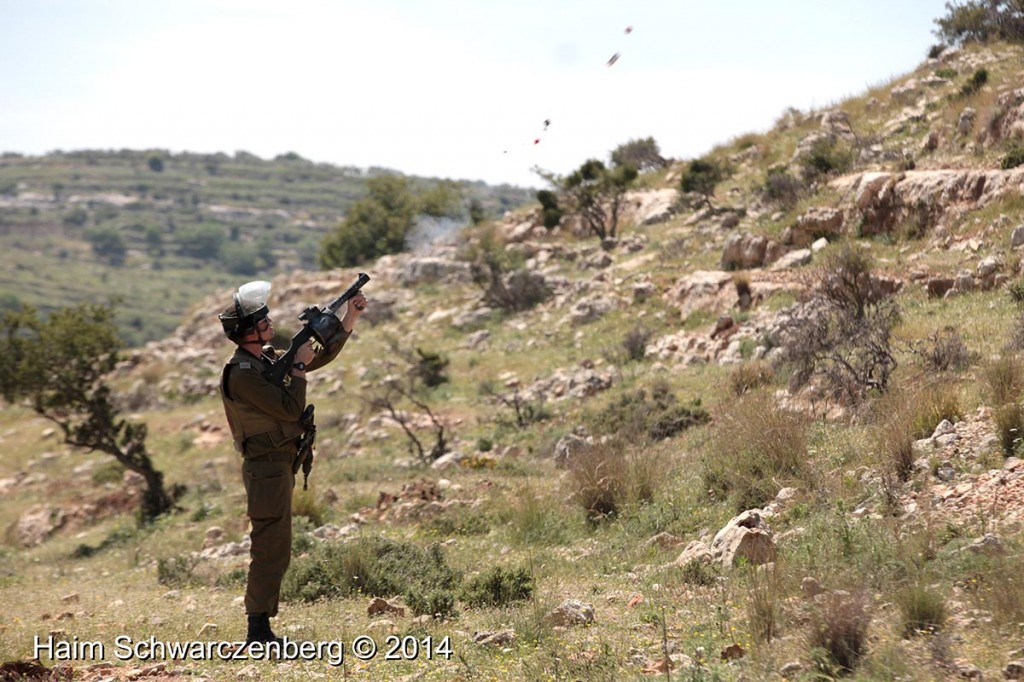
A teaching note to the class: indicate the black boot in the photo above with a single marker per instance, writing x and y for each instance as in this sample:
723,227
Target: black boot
259,629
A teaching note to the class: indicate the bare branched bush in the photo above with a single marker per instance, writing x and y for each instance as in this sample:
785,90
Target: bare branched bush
400,388
839,632
757,448
845,336
944,351
634,343
525,411
513,291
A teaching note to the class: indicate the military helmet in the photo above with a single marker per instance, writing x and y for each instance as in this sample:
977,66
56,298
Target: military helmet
248,308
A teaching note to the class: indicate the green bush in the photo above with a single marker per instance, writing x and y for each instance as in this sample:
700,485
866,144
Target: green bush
430,368
981,21
551,214
974,83
650,414
499,586
376,567
702,176
108,245
828,155
1013,158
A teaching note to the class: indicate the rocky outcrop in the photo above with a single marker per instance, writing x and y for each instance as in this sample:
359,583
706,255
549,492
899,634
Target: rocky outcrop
878,202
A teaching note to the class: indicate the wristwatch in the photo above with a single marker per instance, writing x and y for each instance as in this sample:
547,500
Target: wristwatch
301,366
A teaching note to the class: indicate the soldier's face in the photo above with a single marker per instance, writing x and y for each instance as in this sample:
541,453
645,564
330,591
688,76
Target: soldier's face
266,328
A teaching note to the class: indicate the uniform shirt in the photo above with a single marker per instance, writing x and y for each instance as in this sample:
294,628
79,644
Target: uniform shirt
263,417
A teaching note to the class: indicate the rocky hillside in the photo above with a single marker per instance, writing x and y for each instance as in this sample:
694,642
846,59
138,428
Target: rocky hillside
635,439
156,226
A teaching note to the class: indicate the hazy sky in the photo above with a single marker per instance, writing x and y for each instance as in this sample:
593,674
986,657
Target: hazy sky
448,88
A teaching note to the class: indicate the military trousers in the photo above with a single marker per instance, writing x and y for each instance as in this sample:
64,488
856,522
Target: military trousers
268,490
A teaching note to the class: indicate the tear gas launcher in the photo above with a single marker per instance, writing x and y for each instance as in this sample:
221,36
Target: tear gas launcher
321,324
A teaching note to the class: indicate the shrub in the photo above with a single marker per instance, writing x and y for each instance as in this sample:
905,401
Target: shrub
642,154
1004,379
376,567
756,448
702,176
922,610
605,477
650,415
944,350
635,343
551,214
499,586
839,632
974,83
597,195
430,368
844,334
747,376
108,245
699,573
781,188
827,155
1013,158
177,571
981,21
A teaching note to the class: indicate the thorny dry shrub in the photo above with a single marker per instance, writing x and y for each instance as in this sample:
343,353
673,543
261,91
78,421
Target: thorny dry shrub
839,631
747,376
605,477
944,351
756,449
843,335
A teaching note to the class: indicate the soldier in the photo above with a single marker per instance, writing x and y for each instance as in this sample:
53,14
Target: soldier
264,421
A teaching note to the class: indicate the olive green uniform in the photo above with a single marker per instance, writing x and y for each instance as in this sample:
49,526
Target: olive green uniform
264,421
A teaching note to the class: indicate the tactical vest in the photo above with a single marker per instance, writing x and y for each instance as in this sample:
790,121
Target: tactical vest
253,430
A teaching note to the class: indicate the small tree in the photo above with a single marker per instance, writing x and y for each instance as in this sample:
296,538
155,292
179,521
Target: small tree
596,194
382,222
108,245
404,385
701,177
59,366
981,21
644,155
551,214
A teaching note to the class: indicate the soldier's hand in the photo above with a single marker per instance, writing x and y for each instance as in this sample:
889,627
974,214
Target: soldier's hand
305,353
357,305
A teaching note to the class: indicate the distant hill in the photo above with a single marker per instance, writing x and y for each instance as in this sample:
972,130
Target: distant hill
162,230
